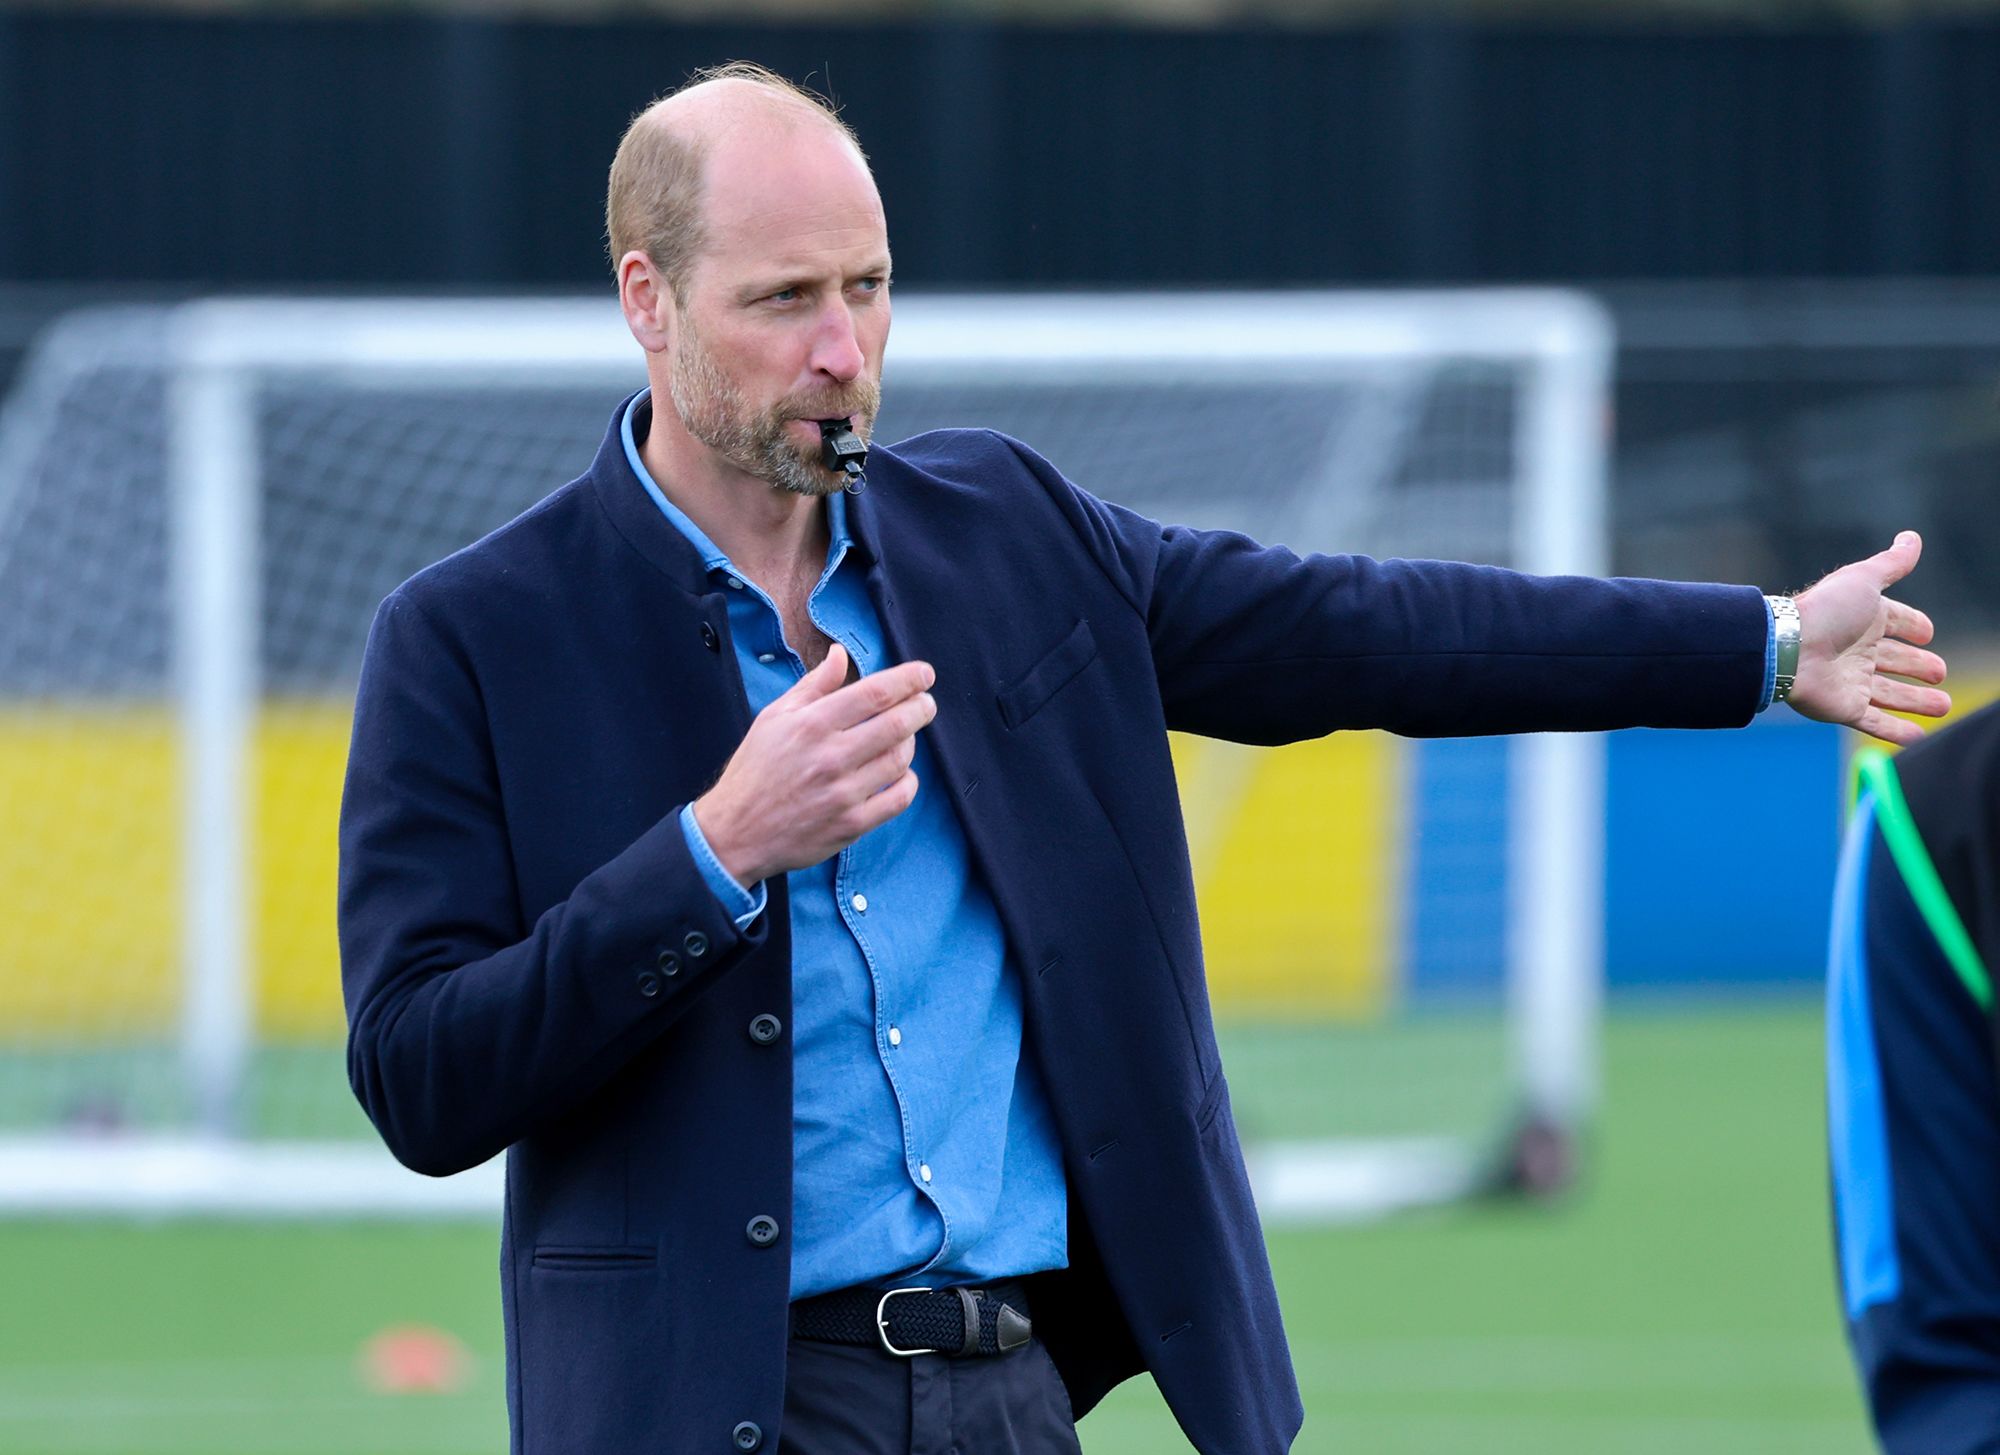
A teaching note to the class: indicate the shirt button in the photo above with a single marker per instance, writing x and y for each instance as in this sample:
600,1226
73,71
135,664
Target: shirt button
767,657
696,944
709,639
924,1171
860,903
748,1435
765,1029
895,1036
649,984
734,584
670,963
762,1230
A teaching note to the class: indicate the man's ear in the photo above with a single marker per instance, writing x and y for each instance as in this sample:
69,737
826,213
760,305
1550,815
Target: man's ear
647,301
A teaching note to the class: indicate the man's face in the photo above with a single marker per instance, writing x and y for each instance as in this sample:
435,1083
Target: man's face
787,307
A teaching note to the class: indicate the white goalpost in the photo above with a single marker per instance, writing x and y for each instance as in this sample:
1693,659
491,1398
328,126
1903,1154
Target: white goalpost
201,504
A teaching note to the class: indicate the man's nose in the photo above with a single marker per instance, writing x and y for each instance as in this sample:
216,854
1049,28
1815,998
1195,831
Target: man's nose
836,346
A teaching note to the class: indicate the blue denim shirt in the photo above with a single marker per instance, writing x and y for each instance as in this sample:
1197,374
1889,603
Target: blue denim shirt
924,1149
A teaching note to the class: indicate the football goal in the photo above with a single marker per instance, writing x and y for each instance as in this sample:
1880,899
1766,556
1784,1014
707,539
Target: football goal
201,505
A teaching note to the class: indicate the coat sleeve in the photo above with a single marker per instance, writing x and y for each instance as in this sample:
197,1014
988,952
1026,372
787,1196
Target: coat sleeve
1258,644
1913,1117
467,1028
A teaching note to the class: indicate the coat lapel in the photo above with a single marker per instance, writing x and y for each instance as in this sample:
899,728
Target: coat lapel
920,594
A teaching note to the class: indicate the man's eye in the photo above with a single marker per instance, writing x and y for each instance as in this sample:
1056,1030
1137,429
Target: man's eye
784,295
870,285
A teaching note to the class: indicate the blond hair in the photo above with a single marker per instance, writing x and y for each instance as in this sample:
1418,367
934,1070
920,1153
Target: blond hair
653,202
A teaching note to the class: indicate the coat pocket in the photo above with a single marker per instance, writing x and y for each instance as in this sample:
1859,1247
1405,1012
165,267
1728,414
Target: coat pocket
595,1334
1029,693
596,1260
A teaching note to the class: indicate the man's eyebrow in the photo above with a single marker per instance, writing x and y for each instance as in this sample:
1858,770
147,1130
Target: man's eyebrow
775,282
770,283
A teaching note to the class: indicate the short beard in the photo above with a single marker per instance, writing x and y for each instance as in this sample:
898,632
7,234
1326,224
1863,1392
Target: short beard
713,410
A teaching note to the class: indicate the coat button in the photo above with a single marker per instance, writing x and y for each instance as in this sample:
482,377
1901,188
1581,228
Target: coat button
762,1230
709,639
764,1029
670,963
748,1435
649,983
696,944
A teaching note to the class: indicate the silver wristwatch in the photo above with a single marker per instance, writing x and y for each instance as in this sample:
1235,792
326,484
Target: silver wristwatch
1785,617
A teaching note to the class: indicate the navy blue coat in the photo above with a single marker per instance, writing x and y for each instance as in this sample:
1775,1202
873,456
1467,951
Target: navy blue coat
532,961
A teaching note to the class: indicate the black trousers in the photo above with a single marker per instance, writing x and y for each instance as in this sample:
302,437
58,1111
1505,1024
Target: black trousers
841,1399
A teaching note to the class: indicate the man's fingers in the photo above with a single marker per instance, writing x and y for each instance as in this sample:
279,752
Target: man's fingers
884,769
1908,661
878,808
882,732
1878,724
1908,697
1899,560
1908,623
875,694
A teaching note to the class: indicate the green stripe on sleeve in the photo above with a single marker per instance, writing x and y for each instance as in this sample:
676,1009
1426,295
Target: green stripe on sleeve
1875,770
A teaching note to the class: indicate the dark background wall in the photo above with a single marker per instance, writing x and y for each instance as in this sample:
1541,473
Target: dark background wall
440,151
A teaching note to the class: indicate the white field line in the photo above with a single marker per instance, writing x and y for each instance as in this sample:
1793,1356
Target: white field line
108,1396
1501,1433
1330,1430
102,1371
1691,1364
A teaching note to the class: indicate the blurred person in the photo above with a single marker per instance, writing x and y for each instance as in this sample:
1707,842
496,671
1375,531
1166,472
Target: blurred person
1912,1095
792,881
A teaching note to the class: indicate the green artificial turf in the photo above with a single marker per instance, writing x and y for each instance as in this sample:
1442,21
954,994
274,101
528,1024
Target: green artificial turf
1681,1301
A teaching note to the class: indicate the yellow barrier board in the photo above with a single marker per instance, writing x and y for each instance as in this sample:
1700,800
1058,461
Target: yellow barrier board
1298,859
90,911
90,890
301,760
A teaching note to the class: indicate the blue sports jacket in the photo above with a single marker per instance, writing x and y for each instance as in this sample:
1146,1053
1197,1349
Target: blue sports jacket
532,961
1913,1097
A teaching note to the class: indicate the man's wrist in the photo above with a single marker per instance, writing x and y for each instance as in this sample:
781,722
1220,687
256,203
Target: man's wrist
714,830
1786,639
742,904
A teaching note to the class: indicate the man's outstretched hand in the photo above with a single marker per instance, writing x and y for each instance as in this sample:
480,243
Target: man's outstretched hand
1855,643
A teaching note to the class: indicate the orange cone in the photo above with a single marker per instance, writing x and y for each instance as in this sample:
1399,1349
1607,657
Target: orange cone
415,1359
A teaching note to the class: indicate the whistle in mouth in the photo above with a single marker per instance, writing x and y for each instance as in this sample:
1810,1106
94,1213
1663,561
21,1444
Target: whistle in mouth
841,449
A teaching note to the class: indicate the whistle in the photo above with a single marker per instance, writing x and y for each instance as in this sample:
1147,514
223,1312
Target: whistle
842,450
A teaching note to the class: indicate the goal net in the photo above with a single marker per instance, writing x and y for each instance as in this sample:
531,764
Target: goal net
200,507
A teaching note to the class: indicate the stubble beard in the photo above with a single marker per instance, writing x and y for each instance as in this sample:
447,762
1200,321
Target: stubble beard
713,410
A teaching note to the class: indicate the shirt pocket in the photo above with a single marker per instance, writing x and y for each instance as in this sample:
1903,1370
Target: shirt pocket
1029,693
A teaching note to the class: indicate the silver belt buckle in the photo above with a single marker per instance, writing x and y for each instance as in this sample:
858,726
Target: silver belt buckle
882,1324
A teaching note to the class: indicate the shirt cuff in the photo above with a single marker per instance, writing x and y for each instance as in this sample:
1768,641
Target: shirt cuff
1770,656
742,904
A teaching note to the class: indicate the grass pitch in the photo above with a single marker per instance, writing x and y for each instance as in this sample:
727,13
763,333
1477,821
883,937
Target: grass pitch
1682,1300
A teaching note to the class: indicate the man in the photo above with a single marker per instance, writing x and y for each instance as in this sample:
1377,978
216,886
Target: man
1913,1098
787,989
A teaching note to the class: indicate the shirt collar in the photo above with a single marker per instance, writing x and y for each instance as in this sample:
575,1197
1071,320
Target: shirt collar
712,555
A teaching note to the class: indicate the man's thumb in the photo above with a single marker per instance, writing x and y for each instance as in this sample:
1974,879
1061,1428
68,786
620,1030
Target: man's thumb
1901,557
825,678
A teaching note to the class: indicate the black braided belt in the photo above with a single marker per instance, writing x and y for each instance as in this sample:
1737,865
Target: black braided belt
910,1321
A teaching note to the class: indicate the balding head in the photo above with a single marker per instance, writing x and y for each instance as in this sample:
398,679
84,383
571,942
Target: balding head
654,203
